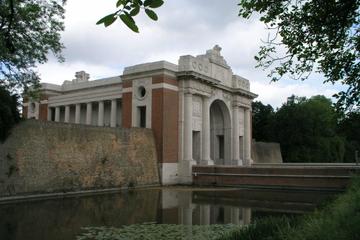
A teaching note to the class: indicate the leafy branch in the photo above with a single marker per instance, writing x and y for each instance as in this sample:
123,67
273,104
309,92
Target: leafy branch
128,9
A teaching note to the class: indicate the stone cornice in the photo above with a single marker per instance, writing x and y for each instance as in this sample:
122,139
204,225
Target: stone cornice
147,74
191,75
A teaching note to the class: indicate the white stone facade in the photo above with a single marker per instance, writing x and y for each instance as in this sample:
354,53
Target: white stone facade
199,110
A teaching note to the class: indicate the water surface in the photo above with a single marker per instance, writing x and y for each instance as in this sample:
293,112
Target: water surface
64,218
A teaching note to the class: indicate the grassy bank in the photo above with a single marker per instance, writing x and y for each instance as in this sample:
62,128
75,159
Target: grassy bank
340,220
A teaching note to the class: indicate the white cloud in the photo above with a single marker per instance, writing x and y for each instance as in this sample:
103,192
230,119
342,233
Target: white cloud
276,93
184,27
54,72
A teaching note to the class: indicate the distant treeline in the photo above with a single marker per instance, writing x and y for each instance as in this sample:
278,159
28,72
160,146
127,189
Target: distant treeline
309,129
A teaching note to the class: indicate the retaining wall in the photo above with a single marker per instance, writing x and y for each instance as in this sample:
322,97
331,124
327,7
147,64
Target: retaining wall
48,157
276,176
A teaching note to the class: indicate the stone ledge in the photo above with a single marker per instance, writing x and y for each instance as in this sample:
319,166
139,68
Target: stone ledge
44,196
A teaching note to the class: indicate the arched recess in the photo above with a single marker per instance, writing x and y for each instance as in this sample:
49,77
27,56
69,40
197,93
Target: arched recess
220,133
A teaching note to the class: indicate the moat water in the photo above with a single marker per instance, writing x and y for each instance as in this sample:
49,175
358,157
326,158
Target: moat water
64,218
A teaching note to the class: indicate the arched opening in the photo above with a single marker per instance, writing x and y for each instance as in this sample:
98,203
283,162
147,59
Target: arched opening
220,133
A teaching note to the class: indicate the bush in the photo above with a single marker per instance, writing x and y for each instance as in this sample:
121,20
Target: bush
9,113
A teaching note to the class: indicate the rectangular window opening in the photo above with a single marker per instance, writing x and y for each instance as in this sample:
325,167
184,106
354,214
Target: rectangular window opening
142,116
221,146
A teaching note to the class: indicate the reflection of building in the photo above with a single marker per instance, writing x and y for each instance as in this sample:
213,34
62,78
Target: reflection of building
180,204
199,111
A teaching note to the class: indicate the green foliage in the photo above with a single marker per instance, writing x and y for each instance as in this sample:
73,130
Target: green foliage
307,130
29,30
320,36
340,220
127,9
151,231
349,128
266,228
9,114
263,116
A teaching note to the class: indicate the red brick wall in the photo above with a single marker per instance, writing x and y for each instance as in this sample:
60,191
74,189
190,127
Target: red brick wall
157,120
43,111
126,110
171,126
165,112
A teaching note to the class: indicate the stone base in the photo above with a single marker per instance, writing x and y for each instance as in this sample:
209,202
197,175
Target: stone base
169,173
237,162
207,162
185,171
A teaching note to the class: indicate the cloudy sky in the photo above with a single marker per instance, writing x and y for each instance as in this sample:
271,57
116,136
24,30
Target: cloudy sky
184,27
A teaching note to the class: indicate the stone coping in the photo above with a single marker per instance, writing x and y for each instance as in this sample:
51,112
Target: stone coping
55,195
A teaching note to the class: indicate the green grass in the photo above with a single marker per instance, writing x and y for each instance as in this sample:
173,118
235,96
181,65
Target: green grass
339,220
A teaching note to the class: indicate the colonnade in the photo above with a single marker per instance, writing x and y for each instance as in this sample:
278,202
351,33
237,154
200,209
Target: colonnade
89,113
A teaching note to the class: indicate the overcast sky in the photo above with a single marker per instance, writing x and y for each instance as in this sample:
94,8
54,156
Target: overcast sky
184,27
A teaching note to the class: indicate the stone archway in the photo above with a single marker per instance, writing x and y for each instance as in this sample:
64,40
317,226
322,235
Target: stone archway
220,133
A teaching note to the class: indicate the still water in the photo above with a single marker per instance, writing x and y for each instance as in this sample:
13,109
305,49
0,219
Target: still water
64,218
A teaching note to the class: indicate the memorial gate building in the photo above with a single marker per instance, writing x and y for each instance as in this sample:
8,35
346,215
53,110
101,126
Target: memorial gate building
199,111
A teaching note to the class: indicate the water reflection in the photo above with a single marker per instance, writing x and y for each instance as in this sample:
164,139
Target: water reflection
64,218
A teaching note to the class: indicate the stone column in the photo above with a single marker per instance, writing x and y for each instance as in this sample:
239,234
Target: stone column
235,137
206,160
188,127
101,114
57,114
247,136
113,113
88,113
49,113
67,114
77,113
185,165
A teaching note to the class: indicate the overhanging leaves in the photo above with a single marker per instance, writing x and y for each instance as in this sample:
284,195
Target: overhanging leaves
318,36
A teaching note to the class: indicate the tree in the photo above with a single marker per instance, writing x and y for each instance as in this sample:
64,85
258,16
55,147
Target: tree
262,122
306,130
321,36
9,113
349,128
29,29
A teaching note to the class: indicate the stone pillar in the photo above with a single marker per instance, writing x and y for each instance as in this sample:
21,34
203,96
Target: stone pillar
101,114
247,136
57,114
113,113
188,127
49,114
77,113
185,165
67,114
206,160
235,137
88,113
